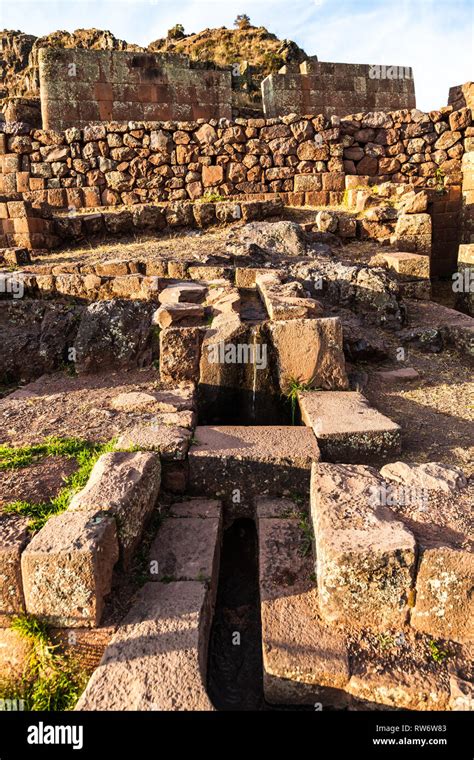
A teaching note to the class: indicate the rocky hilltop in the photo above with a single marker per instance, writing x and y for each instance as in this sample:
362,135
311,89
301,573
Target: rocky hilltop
256,50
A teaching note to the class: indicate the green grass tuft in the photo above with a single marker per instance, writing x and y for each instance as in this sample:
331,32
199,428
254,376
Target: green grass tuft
52,681
86,455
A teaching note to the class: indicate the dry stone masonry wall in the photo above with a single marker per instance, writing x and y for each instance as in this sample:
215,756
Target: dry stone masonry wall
130,162
337,88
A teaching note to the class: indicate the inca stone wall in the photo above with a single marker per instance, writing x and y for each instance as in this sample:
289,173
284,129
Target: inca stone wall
337,89
82,86
134,162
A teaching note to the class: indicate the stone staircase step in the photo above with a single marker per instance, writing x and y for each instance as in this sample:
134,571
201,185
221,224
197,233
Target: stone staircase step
238,463
157,658
347,428
187,545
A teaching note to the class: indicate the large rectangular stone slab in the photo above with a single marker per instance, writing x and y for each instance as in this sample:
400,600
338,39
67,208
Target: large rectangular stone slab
365,557
126,484
348,429
67,568
304,660
13,538
157,659
239,463
310,351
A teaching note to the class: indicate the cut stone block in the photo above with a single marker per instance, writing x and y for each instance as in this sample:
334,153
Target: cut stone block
409,265
15,656
126,484
187,314
245,276
379,683
157,659
170,442
444,604
176,400
239,463
216,376
305,661
196,507
435,502
186,549
309,350
188,292
348,429
13,538
180,351
413,233
430,475
466,254
67,568
285,301
365,556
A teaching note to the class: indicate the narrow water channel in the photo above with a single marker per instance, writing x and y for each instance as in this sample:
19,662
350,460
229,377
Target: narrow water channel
235,671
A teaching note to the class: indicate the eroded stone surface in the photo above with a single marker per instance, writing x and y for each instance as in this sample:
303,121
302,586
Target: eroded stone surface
170,442
310,351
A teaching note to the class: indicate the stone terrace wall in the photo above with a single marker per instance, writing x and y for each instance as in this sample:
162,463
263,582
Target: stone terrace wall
135,162
337,89
81,86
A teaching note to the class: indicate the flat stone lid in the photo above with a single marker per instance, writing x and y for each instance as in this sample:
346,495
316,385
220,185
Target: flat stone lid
257,443
331,413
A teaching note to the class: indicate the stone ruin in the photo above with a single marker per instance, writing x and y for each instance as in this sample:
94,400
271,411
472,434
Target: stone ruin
244,312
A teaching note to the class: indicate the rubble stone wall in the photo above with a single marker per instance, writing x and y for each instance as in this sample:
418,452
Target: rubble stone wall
337,89
134,162
82,86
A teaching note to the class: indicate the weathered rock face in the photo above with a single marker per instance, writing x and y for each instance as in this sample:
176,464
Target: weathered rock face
435,502
370,292
286,238
114,334
309,350
36,336
365,556
432,476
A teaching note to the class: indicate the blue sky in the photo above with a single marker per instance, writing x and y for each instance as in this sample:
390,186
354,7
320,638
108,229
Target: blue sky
435,37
